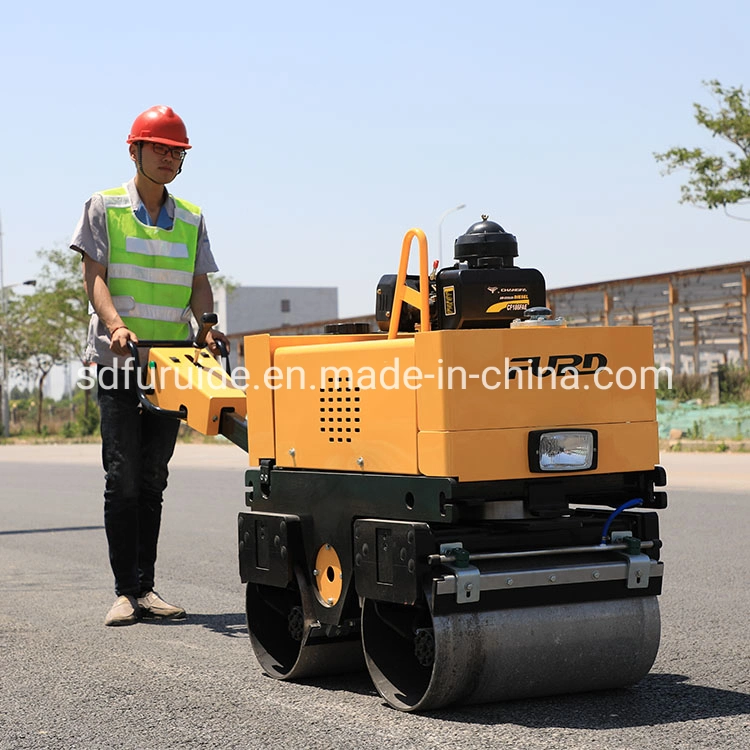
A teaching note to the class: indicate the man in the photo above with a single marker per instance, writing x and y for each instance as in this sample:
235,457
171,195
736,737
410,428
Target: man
146,257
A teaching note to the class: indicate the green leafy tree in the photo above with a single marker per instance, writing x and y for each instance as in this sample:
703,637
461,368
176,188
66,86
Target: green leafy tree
48,327
38,342
9,331
717,181
220,281
61,275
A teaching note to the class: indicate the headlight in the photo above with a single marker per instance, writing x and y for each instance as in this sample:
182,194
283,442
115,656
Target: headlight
562,450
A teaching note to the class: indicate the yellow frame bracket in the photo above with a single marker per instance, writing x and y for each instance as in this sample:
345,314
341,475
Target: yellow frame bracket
404,293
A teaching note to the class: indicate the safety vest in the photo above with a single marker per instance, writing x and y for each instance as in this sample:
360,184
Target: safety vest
150,271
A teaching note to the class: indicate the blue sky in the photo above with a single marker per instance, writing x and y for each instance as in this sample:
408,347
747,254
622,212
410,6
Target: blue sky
323,131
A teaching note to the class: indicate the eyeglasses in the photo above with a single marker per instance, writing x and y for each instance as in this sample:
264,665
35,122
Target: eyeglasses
161,150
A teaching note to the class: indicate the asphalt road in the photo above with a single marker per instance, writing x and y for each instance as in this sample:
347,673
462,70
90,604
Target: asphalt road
68,682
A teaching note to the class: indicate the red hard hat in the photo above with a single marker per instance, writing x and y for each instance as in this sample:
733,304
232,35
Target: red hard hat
159,124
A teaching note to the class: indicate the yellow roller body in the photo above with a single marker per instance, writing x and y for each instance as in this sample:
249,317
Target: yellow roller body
451,403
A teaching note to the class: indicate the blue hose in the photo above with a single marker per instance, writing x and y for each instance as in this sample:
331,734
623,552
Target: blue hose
629,504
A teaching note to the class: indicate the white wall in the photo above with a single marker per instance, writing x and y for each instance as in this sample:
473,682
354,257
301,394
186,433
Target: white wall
251,308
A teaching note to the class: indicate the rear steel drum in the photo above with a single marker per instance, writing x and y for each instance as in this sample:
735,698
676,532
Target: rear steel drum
418,662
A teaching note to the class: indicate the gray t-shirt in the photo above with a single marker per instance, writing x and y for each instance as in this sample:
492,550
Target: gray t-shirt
90,237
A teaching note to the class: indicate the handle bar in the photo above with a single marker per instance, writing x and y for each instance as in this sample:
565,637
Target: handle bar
208,321
180,413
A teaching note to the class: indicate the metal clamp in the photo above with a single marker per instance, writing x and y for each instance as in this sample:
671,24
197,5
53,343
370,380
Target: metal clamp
264,475
639,565
468,577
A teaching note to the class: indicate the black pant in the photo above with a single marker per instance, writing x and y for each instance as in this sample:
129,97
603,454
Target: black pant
136,448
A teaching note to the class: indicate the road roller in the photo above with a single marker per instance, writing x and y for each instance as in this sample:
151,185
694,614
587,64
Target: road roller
462,502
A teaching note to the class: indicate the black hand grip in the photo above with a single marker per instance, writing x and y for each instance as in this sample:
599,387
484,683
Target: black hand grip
208,321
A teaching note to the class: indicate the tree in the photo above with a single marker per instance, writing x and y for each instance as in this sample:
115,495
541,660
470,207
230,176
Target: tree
39,342
61,276
48,328
8,339
717,181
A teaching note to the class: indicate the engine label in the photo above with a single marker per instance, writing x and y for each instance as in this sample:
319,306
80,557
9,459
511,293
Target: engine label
512,299
449,300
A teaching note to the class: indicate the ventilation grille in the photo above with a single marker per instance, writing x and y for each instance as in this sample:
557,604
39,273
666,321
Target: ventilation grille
339,411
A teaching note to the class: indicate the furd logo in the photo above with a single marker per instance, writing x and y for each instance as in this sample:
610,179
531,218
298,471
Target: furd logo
557,364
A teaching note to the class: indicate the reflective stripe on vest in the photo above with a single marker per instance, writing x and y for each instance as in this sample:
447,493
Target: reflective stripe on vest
151,275
156,247
133,309
150,271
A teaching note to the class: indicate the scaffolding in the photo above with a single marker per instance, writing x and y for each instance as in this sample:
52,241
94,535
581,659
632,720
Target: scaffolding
699,316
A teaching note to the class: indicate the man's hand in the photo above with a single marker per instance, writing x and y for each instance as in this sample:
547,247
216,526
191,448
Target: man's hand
212,337
119,340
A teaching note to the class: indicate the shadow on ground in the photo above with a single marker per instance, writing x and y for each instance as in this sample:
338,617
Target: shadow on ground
50,531
232,625
658,699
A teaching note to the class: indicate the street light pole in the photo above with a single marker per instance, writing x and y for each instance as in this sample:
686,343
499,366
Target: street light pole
440,229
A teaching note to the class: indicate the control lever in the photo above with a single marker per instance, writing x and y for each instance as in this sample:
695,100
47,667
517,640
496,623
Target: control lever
208,321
